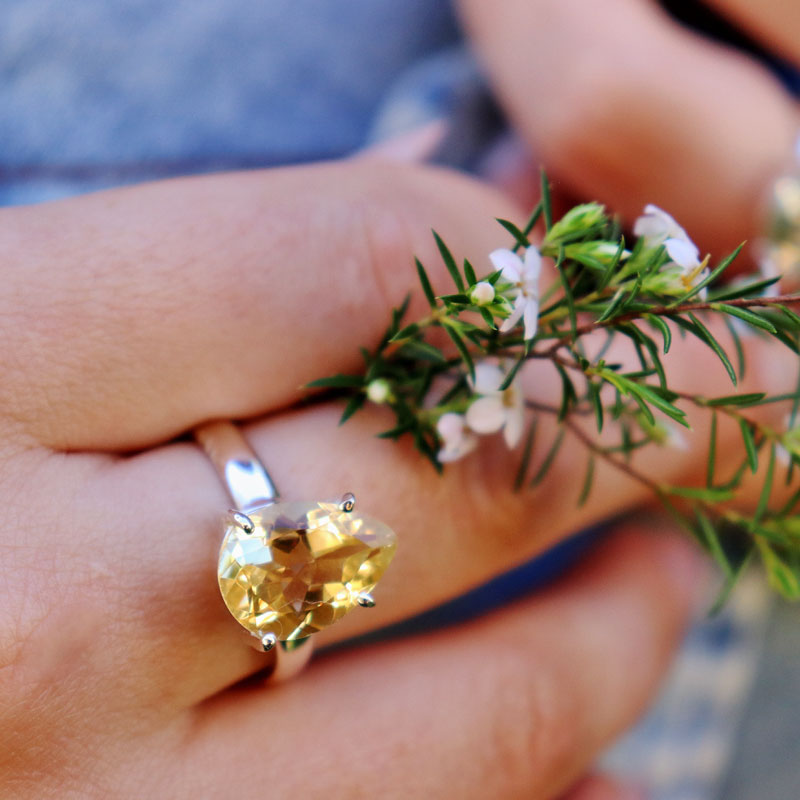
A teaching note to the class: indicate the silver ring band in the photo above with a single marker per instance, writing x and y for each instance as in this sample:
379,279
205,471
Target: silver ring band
250,487
247,481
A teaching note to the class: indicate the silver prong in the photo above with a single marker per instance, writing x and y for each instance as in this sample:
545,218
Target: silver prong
268,641
348,502
366,600
242,521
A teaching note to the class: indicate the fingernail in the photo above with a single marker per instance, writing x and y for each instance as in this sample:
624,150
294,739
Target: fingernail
413,146
510,165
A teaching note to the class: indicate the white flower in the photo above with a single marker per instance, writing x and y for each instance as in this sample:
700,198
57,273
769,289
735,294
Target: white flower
657,227
685,255
524,276
494,410
379,391
457,440
482,293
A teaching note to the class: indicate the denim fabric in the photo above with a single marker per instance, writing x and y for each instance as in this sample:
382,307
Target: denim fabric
100,92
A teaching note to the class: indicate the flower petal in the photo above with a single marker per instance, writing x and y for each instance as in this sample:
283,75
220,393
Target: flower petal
458,440
683,252
450,427
508,262
655,225
531,316
702,295
449,454
488,377
650,228
519,306
486,415
515,423
533,265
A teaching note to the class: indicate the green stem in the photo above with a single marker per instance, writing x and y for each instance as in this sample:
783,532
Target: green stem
663,311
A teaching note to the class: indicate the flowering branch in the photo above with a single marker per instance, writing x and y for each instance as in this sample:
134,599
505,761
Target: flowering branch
498,321
787,300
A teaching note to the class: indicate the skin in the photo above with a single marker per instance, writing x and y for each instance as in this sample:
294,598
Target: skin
130,316
604,787
624,105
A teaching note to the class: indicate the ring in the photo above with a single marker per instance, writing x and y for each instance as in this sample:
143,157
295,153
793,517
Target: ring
289,569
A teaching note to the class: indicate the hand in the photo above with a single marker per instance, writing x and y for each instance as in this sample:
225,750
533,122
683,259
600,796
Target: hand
130,316
629,107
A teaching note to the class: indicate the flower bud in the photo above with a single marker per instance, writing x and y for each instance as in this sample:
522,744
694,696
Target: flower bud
576,221
482,293
379,391
602,251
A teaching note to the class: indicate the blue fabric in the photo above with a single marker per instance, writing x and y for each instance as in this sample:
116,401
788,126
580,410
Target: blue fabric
95,93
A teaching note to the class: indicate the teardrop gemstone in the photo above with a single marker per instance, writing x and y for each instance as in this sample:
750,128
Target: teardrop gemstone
302,567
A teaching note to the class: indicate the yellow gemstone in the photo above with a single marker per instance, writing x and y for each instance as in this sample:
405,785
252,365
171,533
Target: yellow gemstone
302,568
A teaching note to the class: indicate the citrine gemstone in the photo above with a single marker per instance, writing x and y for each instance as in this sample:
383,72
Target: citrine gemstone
302,567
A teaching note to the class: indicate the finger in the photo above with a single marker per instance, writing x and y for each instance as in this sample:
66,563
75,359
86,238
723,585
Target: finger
776,23
642,110
455,532
159,514
514,705
413,146
604,787
159,306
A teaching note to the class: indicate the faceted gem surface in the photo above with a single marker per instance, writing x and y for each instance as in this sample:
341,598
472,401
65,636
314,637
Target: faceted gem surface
302,568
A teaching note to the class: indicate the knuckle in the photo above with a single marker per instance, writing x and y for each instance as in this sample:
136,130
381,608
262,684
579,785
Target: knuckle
395,206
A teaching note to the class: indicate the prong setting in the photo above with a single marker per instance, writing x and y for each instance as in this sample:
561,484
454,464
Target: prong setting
347,503
242,521
366,600
268,641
